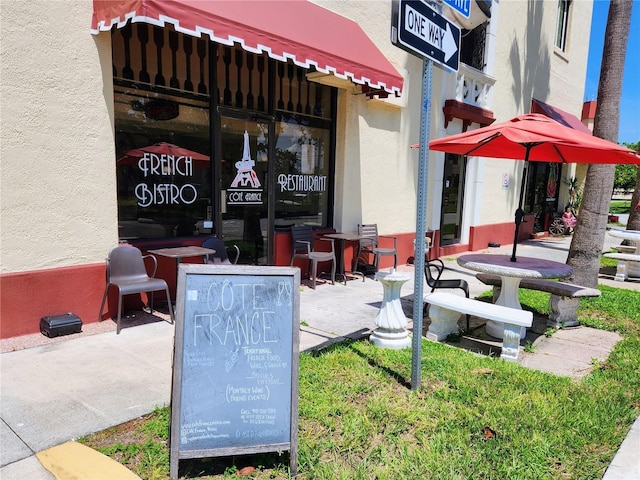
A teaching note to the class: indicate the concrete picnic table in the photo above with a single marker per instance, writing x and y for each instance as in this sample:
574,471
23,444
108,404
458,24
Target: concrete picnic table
628,263
512,274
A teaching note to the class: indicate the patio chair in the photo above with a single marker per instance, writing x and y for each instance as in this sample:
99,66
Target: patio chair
303,246
371,244
127,271
435,282
221,257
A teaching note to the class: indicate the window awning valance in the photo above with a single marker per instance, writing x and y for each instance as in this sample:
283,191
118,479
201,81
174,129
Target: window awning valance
301,31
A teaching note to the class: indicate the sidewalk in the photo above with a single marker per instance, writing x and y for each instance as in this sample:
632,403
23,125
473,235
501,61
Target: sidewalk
57,392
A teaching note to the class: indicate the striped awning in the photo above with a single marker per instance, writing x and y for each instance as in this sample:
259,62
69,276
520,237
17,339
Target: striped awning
296,30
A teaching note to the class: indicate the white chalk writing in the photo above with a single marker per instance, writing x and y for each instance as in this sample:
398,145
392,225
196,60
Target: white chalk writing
302,183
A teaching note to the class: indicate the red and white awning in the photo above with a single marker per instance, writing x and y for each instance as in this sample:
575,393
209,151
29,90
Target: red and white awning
298,30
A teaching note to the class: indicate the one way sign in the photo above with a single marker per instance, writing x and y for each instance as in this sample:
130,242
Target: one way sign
423,31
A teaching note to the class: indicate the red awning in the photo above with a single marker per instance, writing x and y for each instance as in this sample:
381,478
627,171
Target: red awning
559,115
308,34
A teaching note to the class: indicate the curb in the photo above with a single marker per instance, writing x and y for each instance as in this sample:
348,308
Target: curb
72,461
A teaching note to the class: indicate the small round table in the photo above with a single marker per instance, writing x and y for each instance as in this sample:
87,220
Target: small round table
391,320
511,274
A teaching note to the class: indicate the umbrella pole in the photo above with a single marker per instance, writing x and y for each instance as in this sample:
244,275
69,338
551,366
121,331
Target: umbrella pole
519,211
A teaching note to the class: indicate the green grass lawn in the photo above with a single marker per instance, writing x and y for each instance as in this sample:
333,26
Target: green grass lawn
474,417
619,206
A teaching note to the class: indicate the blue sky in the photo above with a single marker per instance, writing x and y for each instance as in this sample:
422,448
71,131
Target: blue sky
630,102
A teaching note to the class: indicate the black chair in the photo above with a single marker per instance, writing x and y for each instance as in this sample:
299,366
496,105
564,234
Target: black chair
127,271
303,246
435,281
371,244
221,257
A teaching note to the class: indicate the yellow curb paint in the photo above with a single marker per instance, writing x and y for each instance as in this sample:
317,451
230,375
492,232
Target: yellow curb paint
74,461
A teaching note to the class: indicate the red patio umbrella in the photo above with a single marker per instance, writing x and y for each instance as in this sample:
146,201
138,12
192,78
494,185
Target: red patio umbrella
534,137
163,148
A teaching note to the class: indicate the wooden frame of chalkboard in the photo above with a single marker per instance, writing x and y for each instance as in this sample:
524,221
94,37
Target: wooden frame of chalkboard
235,362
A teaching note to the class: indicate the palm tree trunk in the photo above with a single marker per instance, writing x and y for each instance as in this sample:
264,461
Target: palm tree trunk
589,233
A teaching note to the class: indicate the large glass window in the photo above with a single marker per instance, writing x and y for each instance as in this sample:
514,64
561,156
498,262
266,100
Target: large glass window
175,173
562,26
302,171
543,184
163,166
452,193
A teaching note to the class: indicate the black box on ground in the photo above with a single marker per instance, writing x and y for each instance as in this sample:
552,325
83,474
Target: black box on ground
64,324
366,269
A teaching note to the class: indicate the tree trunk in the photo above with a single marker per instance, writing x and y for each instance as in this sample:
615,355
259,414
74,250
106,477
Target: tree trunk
588,239
634,213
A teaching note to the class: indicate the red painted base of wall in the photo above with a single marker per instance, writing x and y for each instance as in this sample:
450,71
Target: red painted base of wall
501,233
29,296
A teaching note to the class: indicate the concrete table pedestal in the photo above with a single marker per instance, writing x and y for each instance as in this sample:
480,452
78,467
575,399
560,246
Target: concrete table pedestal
391,320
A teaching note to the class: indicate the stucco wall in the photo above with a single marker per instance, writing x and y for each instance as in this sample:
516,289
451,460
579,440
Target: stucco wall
376,169
380,167
58,192
527,65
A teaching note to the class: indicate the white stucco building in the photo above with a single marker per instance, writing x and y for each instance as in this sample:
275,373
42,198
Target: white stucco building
87,86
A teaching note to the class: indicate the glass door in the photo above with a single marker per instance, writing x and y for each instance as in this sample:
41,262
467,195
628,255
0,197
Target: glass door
243,187
452,190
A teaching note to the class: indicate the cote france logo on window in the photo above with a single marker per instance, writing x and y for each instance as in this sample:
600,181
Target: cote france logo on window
245,188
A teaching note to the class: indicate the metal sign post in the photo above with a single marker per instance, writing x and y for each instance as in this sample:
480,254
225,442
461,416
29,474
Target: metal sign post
422,31
421,224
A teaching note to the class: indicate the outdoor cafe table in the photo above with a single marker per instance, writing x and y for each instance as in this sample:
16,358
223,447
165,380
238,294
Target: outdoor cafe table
511,274
181,252
631,235
342,239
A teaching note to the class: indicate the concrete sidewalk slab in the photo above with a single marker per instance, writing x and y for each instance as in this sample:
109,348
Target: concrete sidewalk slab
570,352
59,392
28,468
626,465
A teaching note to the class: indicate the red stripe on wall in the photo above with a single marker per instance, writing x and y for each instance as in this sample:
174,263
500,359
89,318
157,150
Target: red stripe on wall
26,297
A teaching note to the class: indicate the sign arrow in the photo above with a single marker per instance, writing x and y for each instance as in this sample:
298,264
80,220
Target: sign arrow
449,46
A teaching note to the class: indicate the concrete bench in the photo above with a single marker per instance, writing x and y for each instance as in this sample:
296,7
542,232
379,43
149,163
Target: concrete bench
564,300
446,308
627,263
624,248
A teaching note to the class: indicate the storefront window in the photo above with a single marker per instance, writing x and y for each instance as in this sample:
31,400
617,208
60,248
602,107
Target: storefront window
543,183
163,165
302,171
181,171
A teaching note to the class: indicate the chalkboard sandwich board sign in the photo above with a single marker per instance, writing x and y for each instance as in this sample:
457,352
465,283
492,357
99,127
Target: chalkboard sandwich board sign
235,362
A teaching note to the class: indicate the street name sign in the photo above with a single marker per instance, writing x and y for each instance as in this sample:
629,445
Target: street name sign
423,31
463,7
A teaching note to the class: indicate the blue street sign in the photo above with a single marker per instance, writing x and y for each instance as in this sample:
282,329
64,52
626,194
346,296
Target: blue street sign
461,6
423,31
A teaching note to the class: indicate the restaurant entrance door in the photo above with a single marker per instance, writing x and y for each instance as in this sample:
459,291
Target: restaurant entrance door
452,201
243,183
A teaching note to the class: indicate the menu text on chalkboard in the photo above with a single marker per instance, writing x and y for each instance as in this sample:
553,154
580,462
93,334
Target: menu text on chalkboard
235,367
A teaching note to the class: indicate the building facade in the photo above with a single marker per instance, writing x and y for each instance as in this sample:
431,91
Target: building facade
148,129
